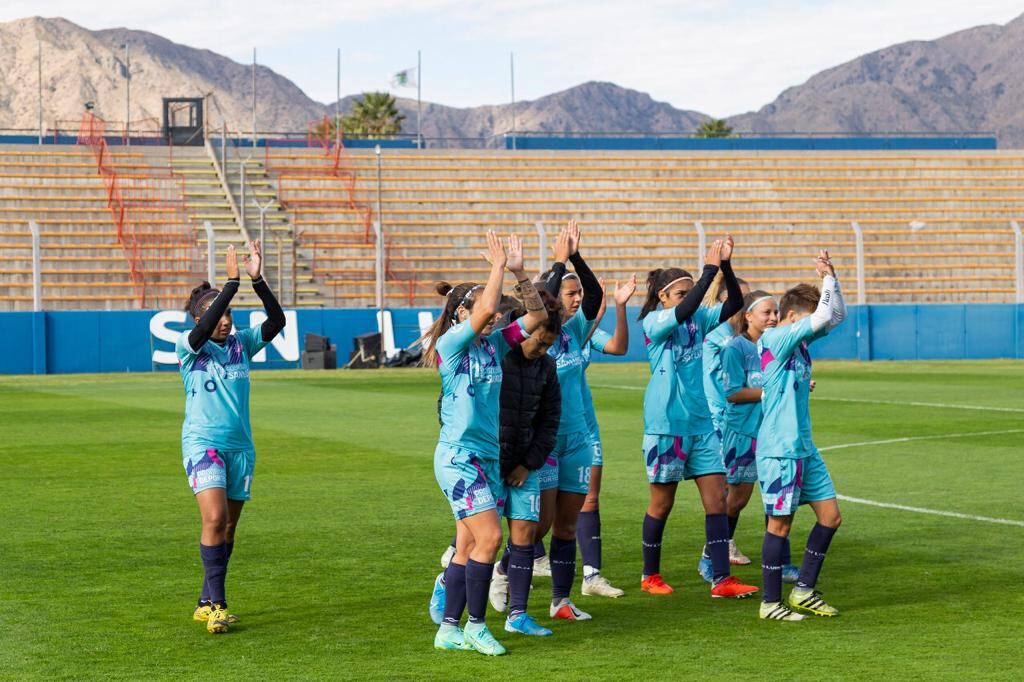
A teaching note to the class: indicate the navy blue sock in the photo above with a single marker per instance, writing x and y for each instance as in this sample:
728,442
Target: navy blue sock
538,549
786,557
507,555
771,566
519,569
563,567
716,534
215,565
478,581
455,593
814,556
653,530
733,521
588,535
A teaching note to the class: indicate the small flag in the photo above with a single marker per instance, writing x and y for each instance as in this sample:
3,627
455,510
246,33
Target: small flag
404,79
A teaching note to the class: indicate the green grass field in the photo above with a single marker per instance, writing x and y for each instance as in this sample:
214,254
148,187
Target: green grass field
337,552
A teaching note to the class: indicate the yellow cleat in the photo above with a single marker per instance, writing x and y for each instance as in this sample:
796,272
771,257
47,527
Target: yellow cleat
811,602
202,614
217,623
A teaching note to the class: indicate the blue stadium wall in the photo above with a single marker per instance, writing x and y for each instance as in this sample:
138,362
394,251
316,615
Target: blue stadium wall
142,340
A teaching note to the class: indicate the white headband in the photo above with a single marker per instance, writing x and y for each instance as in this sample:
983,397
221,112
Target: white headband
760,300
677,279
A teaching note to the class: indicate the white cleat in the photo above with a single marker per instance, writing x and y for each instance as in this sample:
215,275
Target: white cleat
566,610
446,558
778,611
598,586
736,557
542,566
498,594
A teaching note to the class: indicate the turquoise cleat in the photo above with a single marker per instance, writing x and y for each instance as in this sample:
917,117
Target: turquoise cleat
705,570
450,638
436,606
479,638
790,573
524,624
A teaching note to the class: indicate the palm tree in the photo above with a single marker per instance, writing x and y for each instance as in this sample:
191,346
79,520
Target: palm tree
714,127
375,114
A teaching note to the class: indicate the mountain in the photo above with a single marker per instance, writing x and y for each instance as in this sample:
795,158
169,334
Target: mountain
81,66
968,81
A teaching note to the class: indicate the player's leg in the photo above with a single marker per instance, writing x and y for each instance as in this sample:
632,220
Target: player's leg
520,573
819,492
563,555
665,461
213,508
547,477
779,480
741,475
588,534
485,529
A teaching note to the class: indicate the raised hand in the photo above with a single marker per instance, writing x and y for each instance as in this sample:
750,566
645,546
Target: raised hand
514,261
495,253
562,246
714,256
727,247
624,291
231,263
574,237
254,260
823,264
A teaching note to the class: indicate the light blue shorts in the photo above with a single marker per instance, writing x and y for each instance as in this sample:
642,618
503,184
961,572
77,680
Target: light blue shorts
568,466
523,503
739,456
471,482
788,483
671,459
213,468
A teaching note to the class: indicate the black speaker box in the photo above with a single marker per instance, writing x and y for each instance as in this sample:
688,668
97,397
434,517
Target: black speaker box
320,359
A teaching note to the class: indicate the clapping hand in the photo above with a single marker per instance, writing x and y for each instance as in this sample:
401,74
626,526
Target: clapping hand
624,291
231,263
495,253
254,260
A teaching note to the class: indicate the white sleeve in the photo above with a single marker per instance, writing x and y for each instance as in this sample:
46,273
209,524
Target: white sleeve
822,315
838,307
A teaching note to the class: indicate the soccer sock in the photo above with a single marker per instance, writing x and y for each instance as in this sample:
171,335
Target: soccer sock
507,555
716,533
588,534
563,567
786,558
771,566
478,581
653,530
538,549
814,556
204,594
733,521
520,573
215,564
455,593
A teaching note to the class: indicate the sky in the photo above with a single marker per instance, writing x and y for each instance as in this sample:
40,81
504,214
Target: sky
719,57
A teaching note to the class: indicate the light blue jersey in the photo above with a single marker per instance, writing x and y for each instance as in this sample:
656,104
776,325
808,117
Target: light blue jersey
741,368
568,354
471,385
598,340
714,342
786,387
216,379
674,403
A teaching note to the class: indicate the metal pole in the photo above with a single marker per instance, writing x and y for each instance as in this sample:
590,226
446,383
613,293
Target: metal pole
224,149
241,174
1018,266
702,245
378,227
862,294
127,98
253,101
37,268
39,63
211,253
512,78
337,104
419,101
542,246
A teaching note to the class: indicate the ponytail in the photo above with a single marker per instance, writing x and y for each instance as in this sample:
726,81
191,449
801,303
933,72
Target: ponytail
454,297
656,281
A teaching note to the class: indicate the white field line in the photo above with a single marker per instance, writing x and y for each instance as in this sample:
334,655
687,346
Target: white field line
913,438
946,406
933,512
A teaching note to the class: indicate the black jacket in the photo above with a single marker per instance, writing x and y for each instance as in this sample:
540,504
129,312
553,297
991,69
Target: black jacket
531,407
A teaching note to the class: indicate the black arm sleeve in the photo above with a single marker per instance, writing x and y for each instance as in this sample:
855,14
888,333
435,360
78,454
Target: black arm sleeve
554,281
735,300
593,294
208,322
545,422
274,323
688,306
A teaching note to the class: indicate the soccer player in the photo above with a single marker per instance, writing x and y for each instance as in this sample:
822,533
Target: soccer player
216,439
679,439
588,526
531,409
714,342
468,354
790,469
565,477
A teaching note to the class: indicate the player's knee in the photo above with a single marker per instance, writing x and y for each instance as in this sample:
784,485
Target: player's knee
834,520
488,540
564,530
660,509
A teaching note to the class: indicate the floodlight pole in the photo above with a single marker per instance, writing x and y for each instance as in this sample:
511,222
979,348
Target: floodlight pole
254,100
211,255
39,69
127,97
858,234
702,244
378,228
419,101
542,246
1018,265
37,273
512,81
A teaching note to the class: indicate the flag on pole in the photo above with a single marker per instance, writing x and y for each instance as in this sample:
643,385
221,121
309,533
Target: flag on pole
405,78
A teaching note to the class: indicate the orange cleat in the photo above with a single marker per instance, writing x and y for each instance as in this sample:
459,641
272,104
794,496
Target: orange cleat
731,588
655,585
